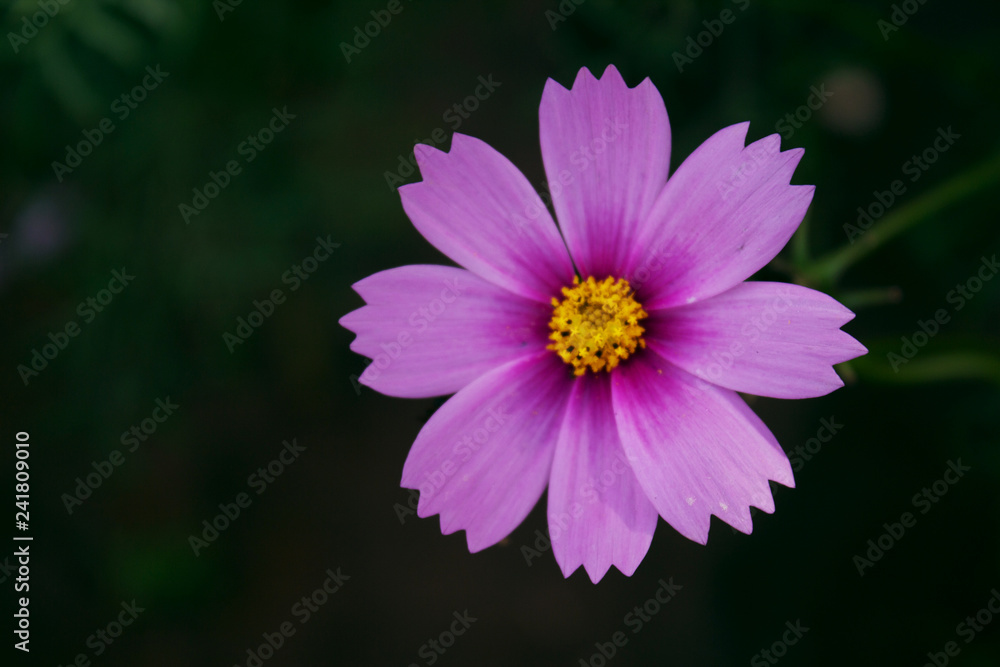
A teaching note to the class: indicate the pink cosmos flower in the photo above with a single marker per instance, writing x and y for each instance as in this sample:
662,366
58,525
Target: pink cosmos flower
603,362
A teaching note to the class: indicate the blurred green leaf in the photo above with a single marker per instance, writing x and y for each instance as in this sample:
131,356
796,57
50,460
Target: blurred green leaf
110,36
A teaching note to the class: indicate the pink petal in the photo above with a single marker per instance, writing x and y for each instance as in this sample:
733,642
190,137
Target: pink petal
696,449
769,339
430,330
473,205
483,459
725,213
598,514
606,149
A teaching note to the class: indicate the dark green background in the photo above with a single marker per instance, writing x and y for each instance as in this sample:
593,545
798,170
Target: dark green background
336,506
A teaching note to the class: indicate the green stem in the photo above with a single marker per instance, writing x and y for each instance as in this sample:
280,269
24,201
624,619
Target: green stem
800,244
828,269
948,366
875,296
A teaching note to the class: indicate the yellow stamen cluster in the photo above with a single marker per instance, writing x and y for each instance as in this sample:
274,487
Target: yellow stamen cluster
596,325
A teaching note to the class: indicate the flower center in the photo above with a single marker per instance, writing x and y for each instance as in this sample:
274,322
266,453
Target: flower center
596,325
